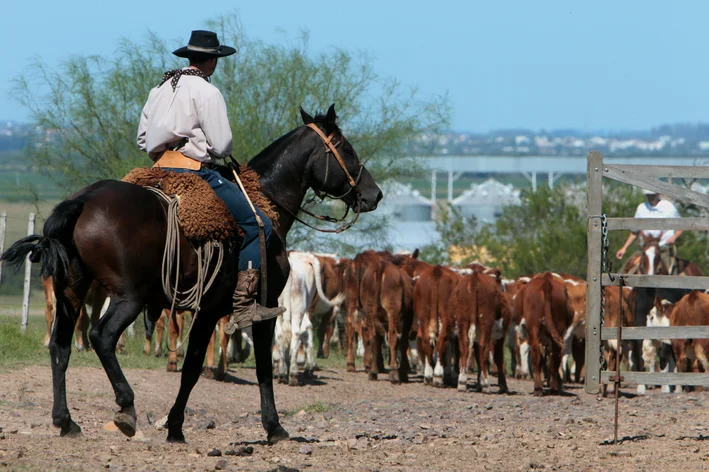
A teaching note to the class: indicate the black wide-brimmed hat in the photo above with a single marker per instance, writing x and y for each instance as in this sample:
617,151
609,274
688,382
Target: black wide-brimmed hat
206,43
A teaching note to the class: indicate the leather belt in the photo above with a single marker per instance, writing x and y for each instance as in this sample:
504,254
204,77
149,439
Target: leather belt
177,160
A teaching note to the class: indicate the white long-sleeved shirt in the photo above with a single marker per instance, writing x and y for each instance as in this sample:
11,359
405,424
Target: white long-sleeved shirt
195,110
664,209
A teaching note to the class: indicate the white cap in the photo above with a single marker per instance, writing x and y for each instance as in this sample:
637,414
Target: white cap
649,192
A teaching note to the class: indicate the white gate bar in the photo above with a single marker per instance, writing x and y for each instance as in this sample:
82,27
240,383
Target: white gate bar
697,172
659,281
642,224
639,179
660,378
657,332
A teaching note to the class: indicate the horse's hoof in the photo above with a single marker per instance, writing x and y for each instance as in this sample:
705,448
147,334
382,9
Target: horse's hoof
278,435
351,368
503,391
308,374
282,380
438,382
72,430
172,366
125,421
176,437
208,373
394,377
538,392
220,376
293,381
427,380
373,376
462,387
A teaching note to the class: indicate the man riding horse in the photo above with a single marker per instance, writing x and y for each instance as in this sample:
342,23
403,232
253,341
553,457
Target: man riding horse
184,127
655,207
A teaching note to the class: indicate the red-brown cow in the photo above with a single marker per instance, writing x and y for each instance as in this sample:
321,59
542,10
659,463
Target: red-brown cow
432,294
389,310
691,310
544,305
482,314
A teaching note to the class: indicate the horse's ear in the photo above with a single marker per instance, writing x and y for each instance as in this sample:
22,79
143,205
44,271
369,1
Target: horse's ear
415,255
307,119
331,116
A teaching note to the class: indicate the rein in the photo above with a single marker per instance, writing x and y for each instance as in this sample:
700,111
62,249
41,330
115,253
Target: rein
329,148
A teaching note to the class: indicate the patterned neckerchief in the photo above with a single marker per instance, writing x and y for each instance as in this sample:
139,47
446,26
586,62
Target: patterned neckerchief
177,73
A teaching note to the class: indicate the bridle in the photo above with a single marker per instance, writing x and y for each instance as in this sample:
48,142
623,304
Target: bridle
330,148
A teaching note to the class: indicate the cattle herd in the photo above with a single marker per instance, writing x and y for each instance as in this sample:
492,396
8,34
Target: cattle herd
401,315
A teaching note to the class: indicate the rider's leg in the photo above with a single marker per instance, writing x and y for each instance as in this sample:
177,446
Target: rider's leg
246,308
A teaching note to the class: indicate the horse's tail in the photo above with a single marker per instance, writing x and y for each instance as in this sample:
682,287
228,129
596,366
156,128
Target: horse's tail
52,249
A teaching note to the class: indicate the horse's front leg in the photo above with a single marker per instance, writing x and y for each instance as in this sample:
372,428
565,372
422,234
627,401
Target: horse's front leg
263,336
202,329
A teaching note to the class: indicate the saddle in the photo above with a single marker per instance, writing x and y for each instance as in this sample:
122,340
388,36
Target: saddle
203,216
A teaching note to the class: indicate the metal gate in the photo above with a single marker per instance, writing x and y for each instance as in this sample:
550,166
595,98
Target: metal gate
598,277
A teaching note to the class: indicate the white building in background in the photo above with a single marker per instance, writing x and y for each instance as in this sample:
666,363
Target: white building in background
410,215
485,201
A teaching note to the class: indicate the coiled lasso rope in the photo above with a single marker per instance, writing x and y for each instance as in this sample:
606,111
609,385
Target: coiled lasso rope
189,299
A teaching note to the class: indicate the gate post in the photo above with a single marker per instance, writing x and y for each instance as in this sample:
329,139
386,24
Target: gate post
594,182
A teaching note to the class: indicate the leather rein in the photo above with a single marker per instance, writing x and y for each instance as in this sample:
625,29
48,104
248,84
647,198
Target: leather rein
353,182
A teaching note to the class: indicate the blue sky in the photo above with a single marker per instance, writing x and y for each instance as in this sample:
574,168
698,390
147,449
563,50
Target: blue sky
627,64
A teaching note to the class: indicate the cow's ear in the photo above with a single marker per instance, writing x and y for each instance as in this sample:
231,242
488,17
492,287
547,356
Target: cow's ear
415,254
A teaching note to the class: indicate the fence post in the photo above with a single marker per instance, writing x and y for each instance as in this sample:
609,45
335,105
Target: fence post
3,227
594,182
28,274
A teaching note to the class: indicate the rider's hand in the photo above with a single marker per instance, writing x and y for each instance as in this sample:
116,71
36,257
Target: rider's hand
619,255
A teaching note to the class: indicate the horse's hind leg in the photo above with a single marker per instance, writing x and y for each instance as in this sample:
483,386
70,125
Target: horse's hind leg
67,307
202,330
104,337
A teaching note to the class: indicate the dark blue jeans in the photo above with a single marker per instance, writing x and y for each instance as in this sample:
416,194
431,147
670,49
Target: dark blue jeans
241,211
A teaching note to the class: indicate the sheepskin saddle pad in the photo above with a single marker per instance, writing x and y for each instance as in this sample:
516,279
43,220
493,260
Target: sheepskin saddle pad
202,214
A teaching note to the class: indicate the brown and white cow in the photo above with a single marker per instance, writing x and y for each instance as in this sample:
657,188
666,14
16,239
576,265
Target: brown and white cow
294,328
332,276
482,315
544,306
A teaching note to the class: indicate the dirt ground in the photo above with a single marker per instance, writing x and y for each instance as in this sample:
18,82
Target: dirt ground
343,421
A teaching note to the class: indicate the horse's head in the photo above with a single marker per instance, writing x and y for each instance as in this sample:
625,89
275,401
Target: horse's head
650,260
335,169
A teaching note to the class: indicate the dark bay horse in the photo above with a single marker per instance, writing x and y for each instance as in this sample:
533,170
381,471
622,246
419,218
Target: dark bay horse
114,233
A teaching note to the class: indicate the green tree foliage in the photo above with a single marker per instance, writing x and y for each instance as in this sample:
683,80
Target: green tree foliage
544,232
88,109
456,231
548,231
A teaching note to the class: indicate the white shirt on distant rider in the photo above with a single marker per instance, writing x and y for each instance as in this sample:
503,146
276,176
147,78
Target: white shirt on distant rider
196,110
664,209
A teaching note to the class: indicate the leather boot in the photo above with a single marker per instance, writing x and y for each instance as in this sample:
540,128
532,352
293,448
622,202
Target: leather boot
245,309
